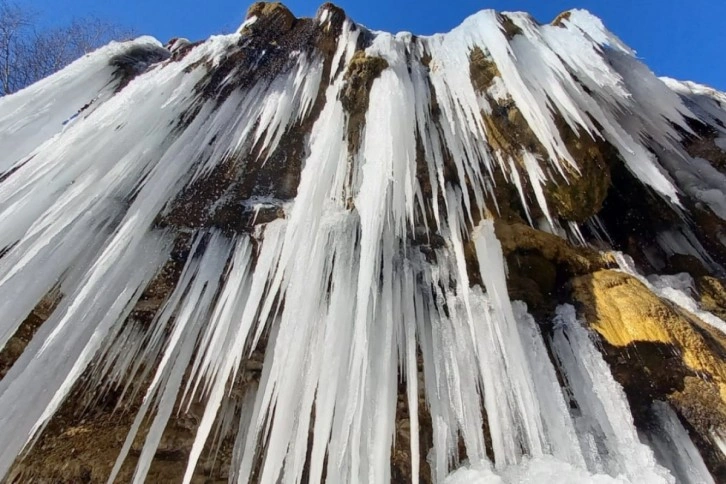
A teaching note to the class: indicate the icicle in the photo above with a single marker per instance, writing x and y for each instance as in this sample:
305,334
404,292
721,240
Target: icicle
408,348
42,377
605,425
34,115
674,447
337,294
598,229
561,436
191,303
519,411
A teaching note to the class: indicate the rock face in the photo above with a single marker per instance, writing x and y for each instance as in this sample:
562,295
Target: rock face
307,251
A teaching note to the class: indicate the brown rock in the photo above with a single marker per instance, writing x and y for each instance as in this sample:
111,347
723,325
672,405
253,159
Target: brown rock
509,27
359,77
559,21
658,352
482,70
577,260
712,295
274,15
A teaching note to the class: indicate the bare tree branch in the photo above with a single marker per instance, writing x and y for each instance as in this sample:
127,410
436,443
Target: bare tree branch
29,53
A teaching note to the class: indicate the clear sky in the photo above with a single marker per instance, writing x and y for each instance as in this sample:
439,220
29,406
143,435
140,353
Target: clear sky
677,38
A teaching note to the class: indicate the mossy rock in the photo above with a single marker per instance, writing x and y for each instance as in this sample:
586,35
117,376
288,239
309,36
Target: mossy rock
560,20
703,145
518,237
633,212
702,409
533,279
710,230
657,351
680,263
482,70
701,404
579,194
539,265
712,295
15,346
509,134
355,96
509,27
272,15
582,193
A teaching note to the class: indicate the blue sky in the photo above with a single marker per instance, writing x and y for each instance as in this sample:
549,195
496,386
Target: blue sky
682,39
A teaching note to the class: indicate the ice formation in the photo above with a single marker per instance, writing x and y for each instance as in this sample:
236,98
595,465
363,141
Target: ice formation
352,283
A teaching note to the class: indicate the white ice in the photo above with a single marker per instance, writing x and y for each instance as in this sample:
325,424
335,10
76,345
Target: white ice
346,306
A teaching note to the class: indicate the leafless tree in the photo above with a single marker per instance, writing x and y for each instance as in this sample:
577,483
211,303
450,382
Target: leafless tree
15,24
29,53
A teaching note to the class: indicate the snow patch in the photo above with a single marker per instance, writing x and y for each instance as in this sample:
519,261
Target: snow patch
532,471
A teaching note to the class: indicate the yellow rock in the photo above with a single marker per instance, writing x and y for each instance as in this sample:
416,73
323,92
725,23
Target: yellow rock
623,311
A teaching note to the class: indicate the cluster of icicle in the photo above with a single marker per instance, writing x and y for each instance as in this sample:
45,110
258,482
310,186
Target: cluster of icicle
347,307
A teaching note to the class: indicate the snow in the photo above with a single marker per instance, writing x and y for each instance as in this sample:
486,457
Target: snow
249,21
531,471
678,289
37,113
705,101
347,307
